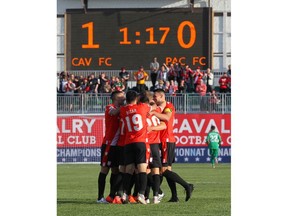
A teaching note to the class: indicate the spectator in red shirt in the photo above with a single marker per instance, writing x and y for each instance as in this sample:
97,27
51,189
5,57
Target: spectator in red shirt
189,78
224,82
201,90
197,76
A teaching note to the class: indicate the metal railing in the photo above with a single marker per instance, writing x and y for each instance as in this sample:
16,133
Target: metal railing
184,103
111,73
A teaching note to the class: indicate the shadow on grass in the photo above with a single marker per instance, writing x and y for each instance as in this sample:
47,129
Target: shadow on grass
67,201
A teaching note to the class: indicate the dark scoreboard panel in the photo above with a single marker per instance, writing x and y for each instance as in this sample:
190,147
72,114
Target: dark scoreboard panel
109,39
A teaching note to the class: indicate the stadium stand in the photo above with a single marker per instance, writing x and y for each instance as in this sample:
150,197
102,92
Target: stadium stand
91,96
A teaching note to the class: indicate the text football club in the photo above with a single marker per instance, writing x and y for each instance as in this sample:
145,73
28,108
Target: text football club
79,138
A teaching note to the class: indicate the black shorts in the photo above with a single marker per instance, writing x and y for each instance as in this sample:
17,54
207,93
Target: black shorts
155,159
109,156
120,155
135,153
167,153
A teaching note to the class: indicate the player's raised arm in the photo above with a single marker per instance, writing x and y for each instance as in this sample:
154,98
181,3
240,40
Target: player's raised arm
166,116
161,126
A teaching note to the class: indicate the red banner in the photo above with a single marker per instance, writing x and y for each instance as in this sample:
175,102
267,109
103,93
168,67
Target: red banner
190,130
80,131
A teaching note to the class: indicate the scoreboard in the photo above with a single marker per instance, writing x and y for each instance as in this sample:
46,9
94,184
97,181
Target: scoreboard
108,39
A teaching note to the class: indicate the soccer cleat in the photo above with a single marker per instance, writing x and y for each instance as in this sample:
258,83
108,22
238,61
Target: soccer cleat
147,201
124,198
131,199
173,199
156,200
160,196
213,165
141,199
109,199
117,200
135,198
189,191
102,201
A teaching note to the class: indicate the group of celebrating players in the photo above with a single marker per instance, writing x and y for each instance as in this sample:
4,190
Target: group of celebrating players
139,148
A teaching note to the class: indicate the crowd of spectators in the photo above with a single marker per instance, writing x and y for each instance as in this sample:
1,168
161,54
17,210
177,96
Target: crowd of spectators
173,79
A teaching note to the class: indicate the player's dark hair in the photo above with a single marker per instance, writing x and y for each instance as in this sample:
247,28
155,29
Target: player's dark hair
145,97
159,91
114,94
131,95
213,127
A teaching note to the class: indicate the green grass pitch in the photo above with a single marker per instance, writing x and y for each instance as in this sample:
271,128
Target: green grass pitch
77,192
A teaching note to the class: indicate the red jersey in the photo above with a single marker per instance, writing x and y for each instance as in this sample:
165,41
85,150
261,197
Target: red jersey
112,130
133,117
121,141
197,77
167,134
154,136
224,82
